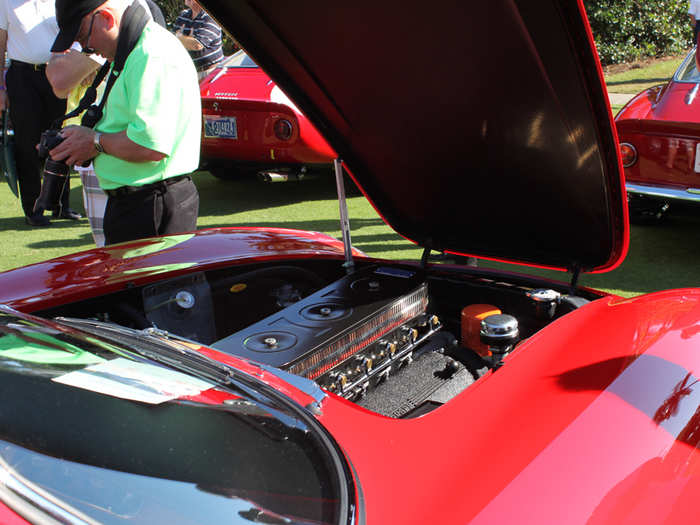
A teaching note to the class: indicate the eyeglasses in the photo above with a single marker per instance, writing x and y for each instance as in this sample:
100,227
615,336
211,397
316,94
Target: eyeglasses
87,49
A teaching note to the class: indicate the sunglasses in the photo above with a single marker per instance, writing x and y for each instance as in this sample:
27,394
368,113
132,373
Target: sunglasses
87,49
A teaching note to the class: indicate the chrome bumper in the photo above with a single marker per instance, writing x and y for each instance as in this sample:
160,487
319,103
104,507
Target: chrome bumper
689,195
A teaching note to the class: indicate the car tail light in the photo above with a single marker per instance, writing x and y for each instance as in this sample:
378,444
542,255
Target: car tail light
629,154
283,129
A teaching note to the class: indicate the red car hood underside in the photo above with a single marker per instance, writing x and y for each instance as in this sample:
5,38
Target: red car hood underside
482,130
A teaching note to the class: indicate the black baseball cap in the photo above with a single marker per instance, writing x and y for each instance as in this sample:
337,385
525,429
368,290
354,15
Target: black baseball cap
69,14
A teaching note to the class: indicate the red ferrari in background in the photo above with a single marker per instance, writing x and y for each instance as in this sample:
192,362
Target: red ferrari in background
659,132
251,126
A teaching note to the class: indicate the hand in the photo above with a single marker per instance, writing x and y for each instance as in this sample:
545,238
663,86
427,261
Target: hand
87,81
4,100
77,147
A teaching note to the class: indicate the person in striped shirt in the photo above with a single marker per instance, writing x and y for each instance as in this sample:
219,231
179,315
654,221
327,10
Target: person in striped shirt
201,36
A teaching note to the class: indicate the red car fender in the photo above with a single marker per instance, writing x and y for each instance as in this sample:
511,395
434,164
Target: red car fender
104,270
614,410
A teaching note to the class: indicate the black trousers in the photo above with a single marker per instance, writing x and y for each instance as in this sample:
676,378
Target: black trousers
161,209
33,107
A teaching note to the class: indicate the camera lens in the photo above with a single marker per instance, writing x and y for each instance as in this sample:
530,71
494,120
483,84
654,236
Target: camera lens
55,174
55,167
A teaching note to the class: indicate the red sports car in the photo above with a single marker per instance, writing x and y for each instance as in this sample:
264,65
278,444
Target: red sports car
251,126
261,375
659,132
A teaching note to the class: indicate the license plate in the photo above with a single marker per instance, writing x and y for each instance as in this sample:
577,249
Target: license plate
697,157
220,127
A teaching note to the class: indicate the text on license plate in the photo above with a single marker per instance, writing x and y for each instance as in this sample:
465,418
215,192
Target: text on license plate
220,127
697,157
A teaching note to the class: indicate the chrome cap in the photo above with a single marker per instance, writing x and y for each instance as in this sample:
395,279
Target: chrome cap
499,329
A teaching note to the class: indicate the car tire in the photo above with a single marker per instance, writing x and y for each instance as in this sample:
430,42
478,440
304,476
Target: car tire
644,211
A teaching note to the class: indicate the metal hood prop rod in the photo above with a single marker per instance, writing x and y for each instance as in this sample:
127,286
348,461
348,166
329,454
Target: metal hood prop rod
349,264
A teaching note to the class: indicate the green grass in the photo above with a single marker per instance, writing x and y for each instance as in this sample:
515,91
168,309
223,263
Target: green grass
616,108
660,257
639,78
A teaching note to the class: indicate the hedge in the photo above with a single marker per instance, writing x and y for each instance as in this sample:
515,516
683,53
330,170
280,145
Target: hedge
626,30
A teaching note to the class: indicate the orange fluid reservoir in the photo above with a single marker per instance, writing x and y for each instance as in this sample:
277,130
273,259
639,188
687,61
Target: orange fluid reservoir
472,316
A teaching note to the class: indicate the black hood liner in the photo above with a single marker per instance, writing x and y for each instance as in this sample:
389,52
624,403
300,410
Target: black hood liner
474,127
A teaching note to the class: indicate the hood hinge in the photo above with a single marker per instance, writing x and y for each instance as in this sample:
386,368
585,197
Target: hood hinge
426,254
424,258
349,264
576,273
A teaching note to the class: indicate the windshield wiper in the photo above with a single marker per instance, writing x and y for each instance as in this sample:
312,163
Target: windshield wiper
163,346
172,350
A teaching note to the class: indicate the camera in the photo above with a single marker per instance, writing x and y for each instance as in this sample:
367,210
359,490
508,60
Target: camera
54,175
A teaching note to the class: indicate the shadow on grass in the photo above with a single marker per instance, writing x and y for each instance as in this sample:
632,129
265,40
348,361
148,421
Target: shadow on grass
17,224
83,241
630,81
219,197
320,225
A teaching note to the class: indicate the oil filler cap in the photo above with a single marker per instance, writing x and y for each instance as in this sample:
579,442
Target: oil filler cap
499,331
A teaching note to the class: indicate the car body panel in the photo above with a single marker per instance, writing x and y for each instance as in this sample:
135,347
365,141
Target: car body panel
666,153
104,270
247,95
8,517
663,124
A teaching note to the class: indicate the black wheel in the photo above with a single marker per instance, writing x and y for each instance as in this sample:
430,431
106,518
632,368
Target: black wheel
646,211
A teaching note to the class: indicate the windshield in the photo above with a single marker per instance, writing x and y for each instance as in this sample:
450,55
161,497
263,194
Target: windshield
688,70
239,59
117,460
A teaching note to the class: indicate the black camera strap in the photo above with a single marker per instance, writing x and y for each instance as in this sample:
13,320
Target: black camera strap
133,22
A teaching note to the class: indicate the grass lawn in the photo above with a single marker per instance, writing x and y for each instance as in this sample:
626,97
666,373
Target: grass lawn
660,257
642,76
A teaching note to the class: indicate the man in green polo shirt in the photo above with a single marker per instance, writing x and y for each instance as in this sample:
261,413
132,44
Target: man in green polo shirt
147,141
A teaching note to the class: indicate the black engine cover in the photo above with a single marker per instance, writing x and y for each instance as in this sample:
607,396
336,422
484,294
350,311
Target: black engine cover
348,307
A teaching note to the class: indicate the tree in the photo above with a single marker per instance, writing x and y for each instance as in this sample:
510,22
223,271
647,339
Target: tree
625,30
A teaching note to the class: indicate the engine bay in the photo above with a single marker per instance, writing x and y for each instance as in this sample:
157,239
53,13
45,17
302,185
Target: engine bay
399,340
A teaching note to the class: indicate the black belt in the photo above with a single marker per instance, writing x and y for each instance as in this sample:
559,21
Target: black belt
27,65
161,184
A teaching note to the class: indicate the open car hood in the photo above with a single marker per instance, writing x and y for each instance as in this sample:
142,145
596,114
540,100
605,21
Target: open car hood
479,128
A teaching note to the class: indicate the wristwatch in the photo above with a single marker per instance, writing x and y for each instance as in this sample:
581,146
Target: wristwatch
96,141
